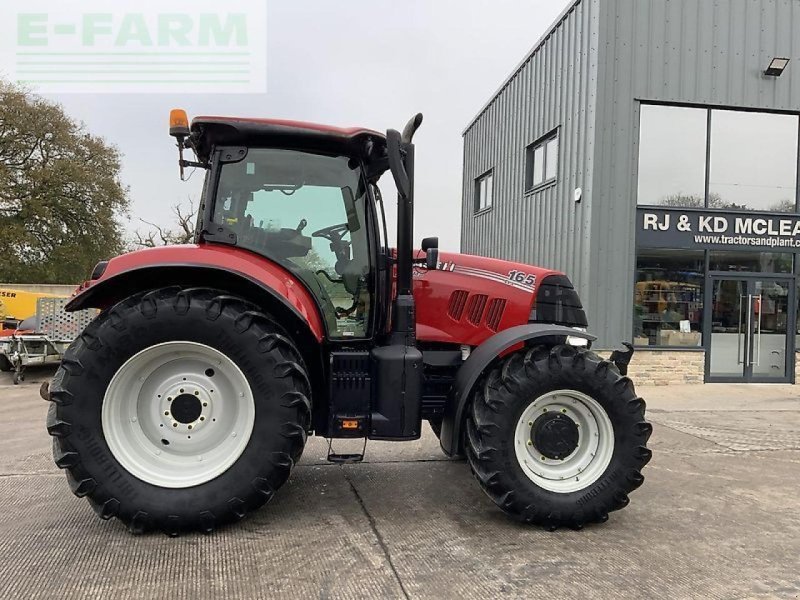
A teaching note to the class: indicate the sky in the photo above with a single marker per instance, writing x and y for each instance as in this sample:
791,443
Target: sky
371,63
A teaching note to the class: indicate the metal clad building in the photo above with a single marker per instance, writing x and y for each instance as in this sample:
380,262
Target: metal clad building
608,77
555,87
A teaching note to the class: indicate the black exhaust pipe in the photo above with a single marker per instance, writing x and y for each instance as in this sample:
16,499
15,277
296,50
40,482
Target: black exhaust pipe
397,367
401,162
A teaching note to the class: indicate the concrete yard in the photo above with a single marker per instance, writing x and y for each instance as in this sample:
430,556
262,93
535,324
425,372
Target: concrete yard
716,518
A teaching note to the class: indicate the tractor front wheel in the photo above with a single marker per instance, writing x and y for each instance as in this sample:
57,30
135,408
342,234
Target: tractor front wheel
179,409
557,437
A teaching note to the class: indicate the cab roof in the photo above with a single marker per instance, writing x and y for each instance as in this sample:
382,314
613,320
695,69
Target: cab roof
210,131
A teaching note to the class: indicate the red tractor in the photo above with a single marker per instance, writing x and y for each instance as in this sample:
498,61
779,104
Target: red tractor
189,399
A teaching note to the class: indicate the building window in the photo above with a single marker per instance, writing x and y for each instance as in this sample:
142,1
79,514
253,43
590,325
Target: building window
717,159
753,161
484,191
668,303
541,162
750,262
672,156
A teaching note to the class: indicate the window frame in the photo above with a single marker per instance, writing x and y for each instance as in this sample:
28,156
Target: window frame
542,143
477,208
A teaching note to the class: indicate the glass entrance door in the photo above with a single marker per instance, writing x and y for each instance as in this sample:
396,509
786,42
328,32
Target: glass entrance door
749,340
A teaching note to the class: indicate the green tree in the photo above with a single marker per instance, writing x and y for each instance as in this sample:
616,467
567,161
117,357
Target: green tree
61,198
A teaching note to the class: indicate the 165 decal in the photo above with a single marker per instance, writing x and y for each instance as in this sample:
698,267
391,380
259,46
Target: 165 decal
526,279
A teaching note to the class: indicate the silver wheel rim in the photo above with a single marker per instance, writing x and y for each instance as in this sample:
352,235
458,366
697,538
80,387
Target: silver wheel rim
587,462
178,414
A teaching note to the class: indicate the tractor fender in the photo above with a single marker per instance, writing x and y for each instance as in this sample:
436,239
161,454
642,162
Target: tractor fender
476,365
206,265
116,287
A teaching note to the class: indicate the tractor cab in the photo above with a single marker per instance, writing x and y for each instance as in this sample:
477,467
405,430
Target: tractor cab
303,196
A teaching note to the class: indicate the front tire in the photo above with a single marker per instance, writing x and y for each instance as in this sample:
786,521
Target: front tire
557,437
179,410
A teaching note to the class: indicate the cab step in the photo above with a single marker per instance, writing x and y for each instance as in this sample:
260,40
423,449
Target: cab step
345,459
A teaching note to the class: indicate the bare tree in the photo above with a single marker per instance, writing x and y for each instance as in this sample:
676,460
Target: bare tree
181,232
716,201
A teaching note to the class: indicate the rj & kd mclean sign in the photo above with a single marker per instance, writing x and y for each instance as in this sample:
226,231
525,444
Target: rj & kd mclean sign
669,228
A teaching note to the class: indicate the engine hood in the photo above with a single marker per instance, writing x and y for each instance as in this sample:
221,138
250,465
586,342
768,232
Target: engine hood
513,274
470,298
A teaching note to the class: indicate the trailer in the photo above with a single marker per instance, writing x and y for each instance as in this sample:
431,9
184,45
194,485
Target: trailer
43,339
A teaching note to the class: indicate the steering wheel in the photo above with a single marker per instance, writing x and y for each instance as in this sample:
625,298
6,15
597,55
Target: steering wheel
341,248
334,233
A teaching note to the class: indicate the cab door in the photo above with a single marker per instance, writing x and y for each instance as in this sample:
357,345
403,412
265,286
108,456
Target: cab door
307,212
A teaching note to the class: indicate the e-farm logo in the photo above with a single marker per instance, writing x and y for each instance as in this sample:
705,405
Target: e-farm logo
197,46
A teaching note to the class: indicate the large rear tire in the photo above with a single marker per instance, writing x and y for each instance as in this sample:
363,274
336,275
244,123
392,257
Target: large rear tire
179,410
557,437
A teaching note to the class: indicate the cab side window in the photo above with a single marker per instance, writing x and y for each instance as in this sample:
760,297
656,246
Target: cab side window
306,212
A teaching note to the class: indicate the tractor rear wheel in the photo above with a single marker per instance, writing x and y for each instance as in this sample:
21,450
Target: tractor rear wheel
179,409
557,437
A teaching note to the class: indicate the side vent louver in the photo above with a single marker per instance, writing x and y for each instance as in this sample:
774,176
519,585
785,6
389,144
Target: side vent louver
475,308
458,300
496,308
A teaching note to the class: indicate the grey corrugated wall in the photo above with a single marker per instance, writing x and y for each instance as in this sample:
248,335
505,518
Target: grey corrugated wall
555,87
603,57
709,52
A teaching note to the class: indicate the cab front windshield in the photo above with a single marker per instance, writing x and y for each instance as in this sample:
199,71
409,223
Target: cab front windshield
306,212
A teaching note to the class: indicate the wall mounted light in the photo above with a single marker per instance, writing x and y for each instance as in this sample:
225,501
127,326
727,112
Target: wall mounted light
776,67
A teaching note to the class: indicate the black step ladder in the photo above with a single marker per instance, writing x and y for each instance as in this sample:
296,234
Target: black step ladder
345,459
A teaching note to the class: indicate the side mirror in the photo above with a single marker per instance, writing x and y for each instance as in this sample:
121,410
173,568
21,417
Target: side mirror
394,148
428,243
432,258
